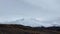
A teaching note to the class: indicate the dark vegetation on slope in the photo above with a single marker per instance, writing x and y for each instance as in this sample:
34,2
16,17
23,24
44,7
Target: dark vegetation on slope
20,29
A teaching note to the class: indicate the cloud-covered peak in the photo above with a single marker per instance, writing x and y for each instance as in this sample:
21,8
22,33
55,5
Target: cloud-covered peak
34,22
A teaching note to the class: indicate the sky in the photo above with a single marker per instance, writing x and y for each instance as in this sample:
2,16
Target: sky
40,9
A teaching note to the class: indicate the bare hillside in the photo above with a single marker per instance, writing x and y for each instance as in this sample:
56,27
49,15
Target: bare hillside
20,29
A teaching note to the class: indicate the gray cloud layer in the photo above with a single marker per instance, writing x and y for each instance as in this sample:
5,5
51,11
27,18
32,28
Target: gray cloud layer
13,9
30,7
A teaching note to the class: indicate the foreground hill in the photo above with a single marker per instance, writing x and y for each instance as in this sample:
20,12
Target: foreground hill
20,29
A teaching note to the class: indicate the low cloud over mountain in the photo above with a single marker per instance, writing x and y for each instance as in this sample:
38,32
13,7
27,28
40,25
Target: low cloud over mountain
34,22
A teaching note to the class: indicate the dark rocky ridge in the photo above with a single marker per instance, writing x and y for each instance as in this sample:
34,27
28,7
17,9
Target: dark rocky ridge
20,29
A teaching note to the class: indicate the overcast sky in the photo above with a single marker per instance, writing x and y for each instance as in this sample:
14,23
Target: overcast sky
15,9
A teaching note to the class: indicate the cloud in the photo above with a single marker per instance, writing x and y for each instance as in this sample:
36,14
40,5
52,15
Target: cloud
47,10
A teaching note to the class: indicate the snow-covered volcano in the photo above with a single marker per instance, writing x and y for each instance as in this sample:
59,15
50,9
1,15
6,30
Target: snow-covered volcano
34,22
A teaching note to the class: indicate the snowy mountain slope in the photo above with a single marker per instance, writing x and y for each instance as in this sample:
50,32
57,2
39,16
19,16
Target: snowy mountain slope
33,22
